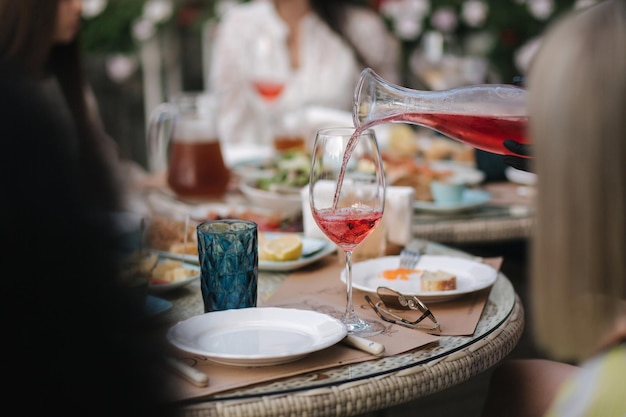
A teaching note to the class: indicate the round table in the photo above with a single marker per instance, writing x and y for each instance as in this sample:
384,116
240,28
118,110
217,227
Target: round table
364,387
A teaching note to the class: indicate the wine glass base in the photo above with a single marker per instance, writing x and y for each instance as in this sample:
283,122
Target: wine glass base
364,328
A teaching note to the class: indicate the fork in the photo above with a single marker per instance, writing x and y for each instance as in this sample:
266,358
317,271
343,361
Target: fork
410,258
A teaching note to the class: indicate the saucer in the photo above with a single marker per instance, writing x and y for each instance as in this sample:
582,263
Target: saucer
471,199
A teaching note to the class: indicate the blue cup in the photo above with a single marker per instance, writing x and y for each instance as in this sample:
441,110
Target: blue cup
447,193
228,254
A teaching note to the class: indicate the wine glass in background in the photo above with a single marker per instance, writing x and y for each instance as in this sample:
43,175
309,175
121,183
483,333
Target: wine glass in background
347,206
268,72
269,67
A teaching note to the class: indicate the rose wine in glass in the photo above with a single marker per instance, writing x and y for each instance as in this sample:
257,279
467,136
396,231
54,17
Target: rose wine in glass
269,69
347,198
269,90
269,66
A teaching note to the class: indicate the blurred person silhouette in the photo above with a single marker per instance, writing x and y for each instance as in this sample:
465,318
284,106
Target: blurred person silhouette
321,46
577,297
39,38
76,344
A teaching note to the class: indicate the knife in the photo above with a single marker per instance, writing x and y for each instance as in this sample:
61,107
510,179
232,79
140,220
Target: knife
190,373
366,345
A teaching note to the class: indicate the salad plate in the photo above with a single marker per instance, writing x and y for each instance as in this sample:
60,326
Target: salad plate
257,336
285,200
471,276
278,182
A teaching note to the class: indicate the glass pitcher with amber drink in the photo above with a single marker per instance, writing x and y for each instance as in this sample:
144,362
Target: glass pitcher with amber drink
183,131
481,115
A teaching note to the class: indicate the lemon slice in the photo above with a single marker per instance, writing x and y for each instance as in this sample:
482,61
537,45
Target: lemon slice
284,248
263,255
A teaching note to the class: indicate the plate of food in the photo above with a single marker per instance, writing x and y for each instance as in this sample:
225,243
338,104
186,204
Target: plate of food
434,279
283,198
403,171
169,274
471,198
259,336
176,239
290,251
279,186
280,259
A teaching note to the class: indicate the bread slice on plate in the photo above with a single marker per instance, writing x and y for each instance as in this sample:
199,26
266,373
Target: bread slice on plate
437,281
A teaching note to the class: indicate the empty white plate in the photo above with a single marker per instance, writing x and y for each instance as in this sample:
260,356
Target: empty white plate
256,336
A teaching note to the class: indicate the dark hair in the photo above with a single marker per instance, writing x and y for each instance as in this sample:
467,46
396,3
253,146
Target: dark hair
27,45
26,28
63,256
333,13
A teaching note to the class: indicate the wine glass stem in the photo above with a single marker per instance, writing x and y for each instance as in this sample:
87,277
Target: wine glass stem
349,315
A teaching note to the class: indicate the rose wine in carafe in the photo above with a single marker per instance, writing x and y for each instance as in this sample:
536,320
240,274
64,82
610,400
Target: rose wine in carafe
482,116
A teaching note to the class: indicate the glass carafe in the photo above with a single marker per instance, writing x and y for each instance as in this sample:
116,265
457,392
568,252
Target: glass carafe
481,116
183,131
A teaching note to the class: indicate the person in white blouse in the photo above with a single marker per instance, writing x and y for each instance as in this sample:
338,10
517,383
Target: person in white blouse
320,45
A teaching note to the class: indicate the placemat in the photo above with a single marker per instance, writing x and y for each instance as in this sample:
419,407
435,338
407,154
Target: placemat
318,287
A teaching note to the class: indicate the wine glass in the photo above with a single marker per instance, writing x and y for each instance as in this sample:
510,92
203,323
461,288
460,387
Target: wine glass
269,69
347,197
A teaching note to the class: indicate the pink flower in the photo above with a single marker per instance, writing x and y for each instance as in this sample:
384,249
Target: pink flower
444,19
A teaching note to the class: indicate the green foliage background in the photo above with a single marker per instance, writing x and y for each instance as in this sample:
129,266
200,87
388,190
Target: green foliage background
509,22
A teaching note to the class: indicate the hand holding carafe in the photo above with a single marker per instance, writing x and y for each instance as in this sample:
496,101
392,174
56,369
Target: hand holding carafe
481,116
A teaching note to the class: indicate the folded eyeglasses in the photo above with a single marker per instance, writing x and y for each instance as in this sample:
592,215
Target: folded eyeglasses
391,299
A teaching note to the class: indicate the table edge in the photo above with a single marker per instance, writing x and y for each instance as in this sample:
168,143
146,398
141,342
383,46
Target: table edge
384,391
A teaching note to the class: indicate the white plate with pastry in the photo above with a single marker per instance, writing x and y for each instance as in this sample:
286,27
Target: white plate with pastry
469,276
313,249
169,274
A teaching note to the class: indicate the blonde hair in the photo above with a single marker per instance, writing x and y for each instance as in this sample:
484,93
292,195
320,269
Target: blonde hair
577,108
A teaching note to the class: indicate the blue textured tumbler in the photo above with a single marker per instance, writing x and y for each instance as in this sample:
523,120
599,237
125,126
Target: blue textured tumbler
229,262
